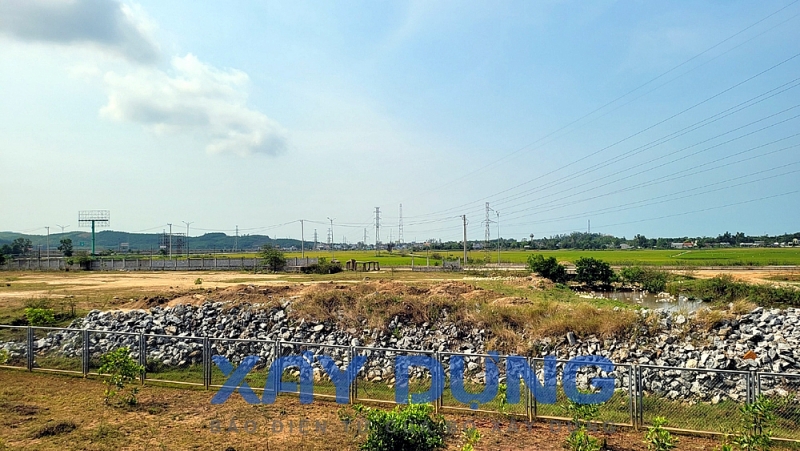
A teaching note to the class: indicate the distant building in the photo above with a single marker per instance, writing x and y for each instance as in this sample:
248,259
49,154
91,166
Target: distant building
625,246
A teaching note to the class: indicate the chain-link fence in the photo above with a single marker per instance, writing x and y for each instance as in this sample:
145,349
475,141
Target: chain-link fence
375,382
784,390
57,349
14,346
174,359
466,388
691,399
618,410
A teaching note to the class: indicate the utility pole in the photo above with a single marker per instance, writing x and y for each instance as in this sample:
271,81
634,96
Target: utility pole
62,228
302,239
365,237
170,240
315,240
589,227
331,220
464,219
48,247
187,239
236,240
377,229
498,238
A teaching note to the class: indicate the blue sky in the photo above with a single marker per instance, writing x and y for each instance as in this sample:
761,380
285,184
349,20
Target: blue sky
660,118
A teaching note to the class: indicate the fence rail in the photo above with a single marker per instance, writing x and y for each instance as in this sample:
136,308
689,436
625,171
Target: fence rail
692,399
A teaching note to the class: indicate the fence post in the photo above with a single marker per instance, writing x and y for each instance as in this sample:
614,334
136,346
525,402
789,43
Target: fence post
206,362
142,357
353,384
631,397
532,406
438,401
278,377
639,397
30,348
85,352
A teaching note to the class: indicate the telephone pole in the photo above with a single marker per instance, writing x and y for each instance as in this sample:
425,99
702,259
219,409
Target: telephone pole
331,220
498,238
316,246
170,240
302,239
464,219
48,247
187,239
236,240
377,229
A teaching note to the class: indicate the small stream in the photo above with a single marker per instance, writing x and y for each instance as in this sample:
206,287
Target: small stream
649,300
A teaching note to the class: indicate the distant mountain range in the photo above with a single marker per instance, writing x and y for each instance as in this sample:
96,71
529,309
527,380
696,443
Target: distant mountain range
109,239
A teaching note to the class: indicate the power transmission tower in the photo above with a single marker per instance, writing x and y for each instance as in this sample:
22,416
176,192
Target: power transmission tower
235,241
62,228
48,247
377,229
170,240
315,240
400,227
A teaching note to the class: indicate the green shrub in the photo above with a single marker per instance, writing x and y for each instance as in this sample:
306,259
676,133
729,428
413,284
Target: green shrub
323,266
590,270
547,268
579,439
404,428
123,370
40,316
756,425
724,288
4,356
658,438
272,257
198,281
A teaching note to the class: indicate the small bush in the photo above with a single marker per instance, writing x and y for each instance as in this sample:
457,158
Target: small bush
658,438
123,370
471,438
323,266
198,281
4,356
40,316
404,428
590,270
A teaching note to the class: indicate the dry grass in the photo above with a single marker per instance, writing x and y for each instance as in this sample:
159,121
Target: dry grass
708,319
741,307
184,421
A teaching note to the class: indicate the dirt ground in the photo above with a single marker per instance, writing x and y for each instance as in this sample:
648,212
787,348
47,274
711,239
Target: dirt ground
33,404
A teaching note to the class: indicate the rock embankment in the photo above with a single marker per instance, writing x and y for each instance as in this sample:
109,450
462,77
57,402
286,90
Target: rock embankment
766,340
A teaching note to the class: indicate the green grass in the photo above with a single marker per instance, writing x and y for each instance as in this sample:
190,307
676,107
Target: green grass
652,257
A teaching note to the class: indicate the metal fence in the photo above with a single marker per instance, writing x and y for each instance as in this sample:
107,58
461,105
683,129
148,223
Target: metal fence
691,399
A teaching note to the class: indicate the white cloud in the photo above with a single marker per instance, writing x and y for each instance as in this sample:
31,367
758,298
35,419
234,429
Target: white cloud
195,98
107,24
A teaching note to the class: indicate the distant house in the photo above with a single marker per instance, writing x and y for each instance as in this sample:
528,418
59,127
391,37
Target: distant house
676,245
625,246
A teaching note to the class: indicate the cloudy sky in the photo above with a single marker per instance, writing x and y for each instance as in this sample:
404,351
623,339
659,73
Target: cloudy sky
660,118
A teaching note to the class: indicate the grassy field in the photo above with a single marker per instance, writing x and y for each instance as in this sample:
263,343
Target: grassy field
655,257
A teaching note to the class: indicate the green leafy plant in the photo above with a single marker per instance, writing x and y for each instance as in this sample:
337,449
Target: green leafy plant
406,427
37,316
756,425
198,281
658,438
471,438
123,370
579,439
590,270
4,356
